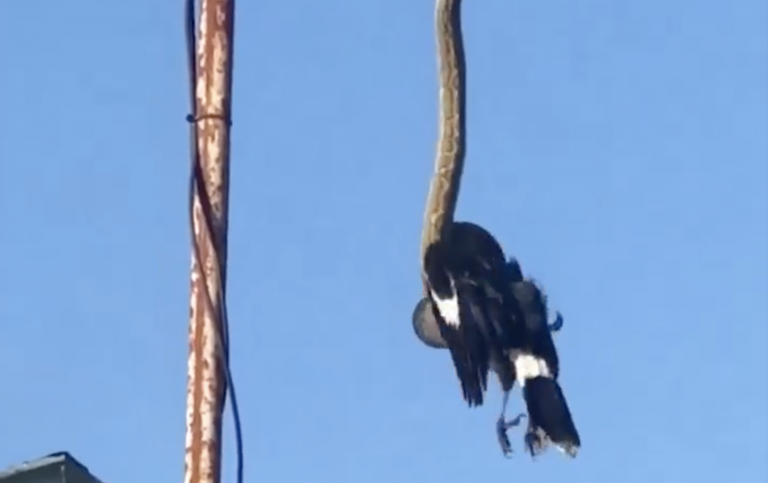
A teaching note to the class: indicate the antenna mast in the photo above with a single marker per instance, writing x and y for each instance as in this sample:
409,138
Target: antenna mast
208,340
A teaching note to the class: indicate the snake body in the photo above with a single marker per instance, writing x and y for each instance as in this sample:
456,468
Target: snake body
451,144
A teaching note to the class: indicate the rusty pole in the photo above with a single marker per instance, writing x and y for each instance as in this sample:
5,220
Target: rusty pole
206,385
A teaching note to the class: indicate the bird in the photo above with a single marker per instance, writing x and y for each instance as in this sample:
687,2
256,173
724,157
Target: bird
490,310
537,368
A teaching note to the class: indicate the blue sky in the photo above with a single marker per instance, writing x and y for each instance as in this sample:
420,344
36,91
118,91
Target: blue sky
619,149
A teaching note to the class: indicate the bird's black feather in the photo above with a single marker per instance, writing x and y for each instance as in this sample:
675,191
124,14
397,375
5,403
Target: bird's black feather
549,417
446,278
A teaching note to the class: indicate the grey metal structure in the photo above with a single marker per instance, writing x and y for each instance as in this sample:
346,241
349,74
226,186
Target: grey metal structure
58,467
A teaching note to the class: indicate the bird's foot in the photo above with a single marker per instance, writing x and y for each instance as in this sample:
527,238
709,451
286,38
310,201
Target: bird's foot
535,441
557,324
501,433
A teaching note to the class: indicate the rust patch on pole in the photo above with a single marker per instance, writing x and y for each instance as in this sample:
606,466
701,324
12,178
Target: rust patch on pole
205,373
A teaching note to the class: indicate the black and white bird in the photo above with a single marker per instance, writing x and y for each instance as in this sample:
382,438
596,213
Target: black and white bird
498,307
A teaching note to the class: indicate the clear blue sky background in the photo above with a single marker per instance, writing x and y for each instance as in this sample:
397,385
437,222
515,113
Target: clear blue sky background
618,148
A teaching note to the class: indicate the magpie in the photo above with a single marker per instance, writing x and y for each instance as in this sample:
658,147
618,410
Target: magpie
483,323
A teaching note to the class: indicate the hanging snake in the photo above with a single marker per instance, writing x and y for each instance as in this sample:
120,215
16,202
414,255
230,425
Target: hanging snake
451,144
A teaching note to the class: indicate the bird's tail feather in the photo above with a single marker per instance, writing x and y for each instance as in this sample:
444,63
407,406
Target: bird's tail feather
549,419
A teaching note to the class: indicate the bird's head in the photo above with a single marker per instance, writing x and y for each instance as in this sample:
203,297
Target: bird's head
425,325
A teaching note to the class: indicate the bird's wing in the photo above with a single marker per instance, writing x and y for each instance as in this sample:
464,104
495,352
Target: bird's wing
468,347
452,310
482,264
486,312
533,302
494,316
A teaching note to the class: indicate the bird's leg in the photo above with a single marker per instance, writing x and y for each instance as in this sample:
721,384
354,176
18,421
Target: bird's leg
503,425
531,443
501,429
557,324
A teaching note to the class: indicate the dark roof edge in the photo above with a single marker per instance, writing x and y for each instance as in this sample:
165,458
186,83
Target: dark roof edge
57,458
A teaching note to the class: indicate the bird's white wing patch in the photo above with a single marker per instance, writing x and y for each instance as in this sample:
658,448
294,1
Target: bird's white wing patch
448,308
528,366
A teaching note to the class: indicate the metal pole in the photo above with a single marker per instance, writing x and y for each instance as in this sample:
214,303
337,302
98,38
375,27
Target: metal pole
206,384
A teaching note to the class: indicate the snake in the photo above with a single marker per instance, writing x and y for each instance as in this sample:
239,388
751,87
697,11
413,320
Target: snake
451,144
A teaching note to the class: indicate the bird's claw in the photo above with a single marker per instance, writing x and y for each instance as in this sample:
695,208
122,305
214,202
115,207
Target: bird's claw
534,442
531,443
501,433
